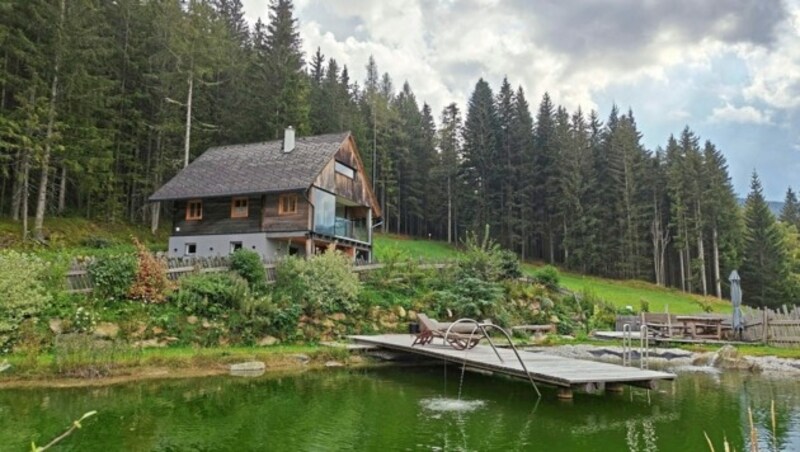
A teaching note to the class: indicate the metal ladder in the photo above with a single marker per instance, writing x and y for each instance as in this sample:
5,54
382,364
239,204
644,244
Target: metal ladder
482,327
627,346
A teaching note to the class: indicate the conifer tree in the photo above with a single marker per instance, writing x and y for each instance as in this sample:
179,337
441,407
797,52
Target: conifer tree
480,153
790,213
764,268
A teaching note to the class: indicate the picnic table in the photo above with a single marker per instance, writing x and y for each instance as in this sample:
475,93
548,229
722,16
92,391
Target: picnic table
711,327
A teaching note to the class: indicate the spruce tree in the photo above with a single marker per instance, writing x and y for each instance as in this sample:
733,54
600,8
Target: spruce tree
480,156
790,213
764,269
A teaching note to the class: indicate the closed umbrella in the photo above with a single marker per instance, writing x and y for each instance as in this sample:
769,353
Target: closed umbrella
736,299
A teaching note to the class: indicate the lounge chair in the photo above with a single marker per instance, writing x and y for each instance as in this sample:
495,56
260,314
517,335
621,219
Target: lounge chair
462,336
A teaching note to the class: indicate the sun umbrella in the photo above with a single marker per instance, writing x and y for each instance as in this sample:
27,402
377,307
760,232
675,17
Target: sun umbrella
736,299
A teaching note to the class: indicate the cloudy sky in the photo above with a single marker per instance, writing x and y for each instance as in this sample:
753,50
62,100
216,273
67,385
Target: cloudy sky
730,69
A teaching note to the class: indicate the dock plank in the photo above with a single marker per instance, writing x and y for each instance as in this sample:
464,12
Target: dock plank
543,368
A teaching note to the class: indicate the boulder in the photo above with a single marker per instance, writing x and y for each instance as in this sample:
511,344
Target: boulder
334,364
56,326
301,358
149,343
412,315
728,357
248,366
338,317
106,330
206,324
139,330
157,330
192,319
401,312
266,341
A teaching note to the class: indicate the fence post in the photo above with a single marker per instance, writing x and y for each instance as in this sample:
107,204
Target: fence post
765,324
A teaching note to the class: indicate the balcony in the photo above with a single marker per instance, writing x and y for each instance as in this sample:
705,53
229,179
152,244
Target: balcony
351,229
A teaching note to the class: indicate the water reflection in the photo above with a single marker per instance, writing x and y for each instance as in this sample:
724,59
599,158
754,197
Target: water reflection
404,409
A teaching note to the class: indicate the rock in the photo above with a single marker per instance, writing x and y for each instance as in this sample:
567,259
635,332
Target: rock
554,319
338,317
149,343
412,315
355,359
401,312
139,331
157,330
328,323
728,357
56,326
249,366
302,358
192,319
206,324
334,364
106,330
171,339
266,341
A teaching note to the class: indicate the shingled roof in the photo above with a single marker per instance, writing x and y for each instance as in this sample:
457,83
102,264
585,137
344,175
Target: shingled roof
244,169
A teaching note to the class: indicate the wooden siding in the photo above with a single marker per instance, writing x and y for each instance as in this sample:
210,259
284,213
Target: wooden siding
356,190
273,222
217,218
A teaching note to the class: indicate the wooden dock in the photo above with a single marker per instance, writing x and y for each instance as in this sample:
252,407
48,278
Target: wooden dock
566,374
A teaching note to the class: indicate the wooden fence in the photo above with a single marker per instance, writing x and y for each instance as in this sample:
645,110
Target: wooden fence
79,281
780,327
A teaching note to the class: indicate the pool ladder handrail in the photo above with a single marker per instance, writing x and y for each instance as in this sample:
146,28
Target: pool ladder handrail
482,328
627,346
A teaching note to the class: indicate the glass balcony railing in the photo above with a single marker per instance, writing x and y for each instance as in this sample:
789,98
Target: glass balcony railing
351,229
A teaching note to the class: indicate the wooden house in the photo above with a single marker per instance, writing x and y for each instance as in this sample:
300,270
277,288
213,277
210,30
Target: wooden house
283,197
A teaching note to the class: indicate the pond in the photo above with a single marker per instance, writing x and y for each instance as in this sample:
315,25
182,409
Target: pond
402,409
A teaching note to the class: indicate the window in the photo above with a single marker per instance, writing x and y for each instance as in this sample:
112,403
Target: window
345,170
287,204
194,210
235,246
239,208
191,249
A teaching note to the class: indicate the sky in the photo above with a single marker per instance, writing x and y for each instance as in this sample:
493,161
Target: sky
729,69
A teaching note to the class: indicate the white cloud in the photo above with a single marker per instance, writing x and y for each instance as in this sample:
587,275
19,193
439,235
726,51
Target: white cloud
776,72
741,115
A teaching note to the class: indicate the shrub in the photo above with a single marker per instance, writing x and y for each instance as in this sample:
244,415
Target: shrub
324,283
113,276
548,276
23,292
151,284
210,294
470,297
480,259
248,265
644,305
509,264
96,242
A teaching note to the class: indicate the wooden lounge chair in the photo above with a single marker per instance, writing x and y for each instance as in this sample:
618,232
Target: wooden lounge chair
462,336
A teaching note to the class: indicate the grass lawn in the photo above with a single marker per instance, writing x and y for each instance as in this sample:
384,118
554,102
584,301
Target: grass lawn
631,292
429,250
620,293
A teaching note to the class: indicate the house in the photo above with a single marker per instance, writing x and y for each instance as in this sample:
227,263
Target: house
283,197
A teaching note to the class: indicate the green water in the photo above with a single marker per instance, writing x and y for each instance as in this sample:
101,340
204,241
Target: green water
397,409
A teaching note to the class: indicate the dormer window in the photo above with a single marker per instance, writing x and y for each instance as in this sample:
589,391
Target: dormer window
239,208
194,210
345,170
287,204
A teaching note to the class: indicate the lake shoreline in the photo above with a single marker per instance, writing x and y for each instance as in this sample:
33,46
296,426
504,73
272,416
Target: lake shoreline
177,363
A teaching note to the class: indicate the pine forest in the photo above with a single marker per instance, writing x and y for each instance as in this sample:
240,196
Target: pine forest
101,102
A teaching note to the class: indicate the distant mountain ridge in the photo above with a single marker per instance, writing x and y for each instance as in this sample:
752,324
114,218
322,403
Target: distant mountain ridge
774,206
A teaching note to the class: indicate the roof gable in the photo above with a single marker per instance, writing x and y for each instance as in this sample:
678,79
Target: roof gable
253,168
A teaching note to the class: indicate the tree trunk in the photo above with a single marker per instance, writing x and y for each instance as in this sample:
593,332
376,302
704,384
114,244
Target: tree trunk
62,190
449,212
41,202
26,168
717,277
19,180
701,252
683,270
188,139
